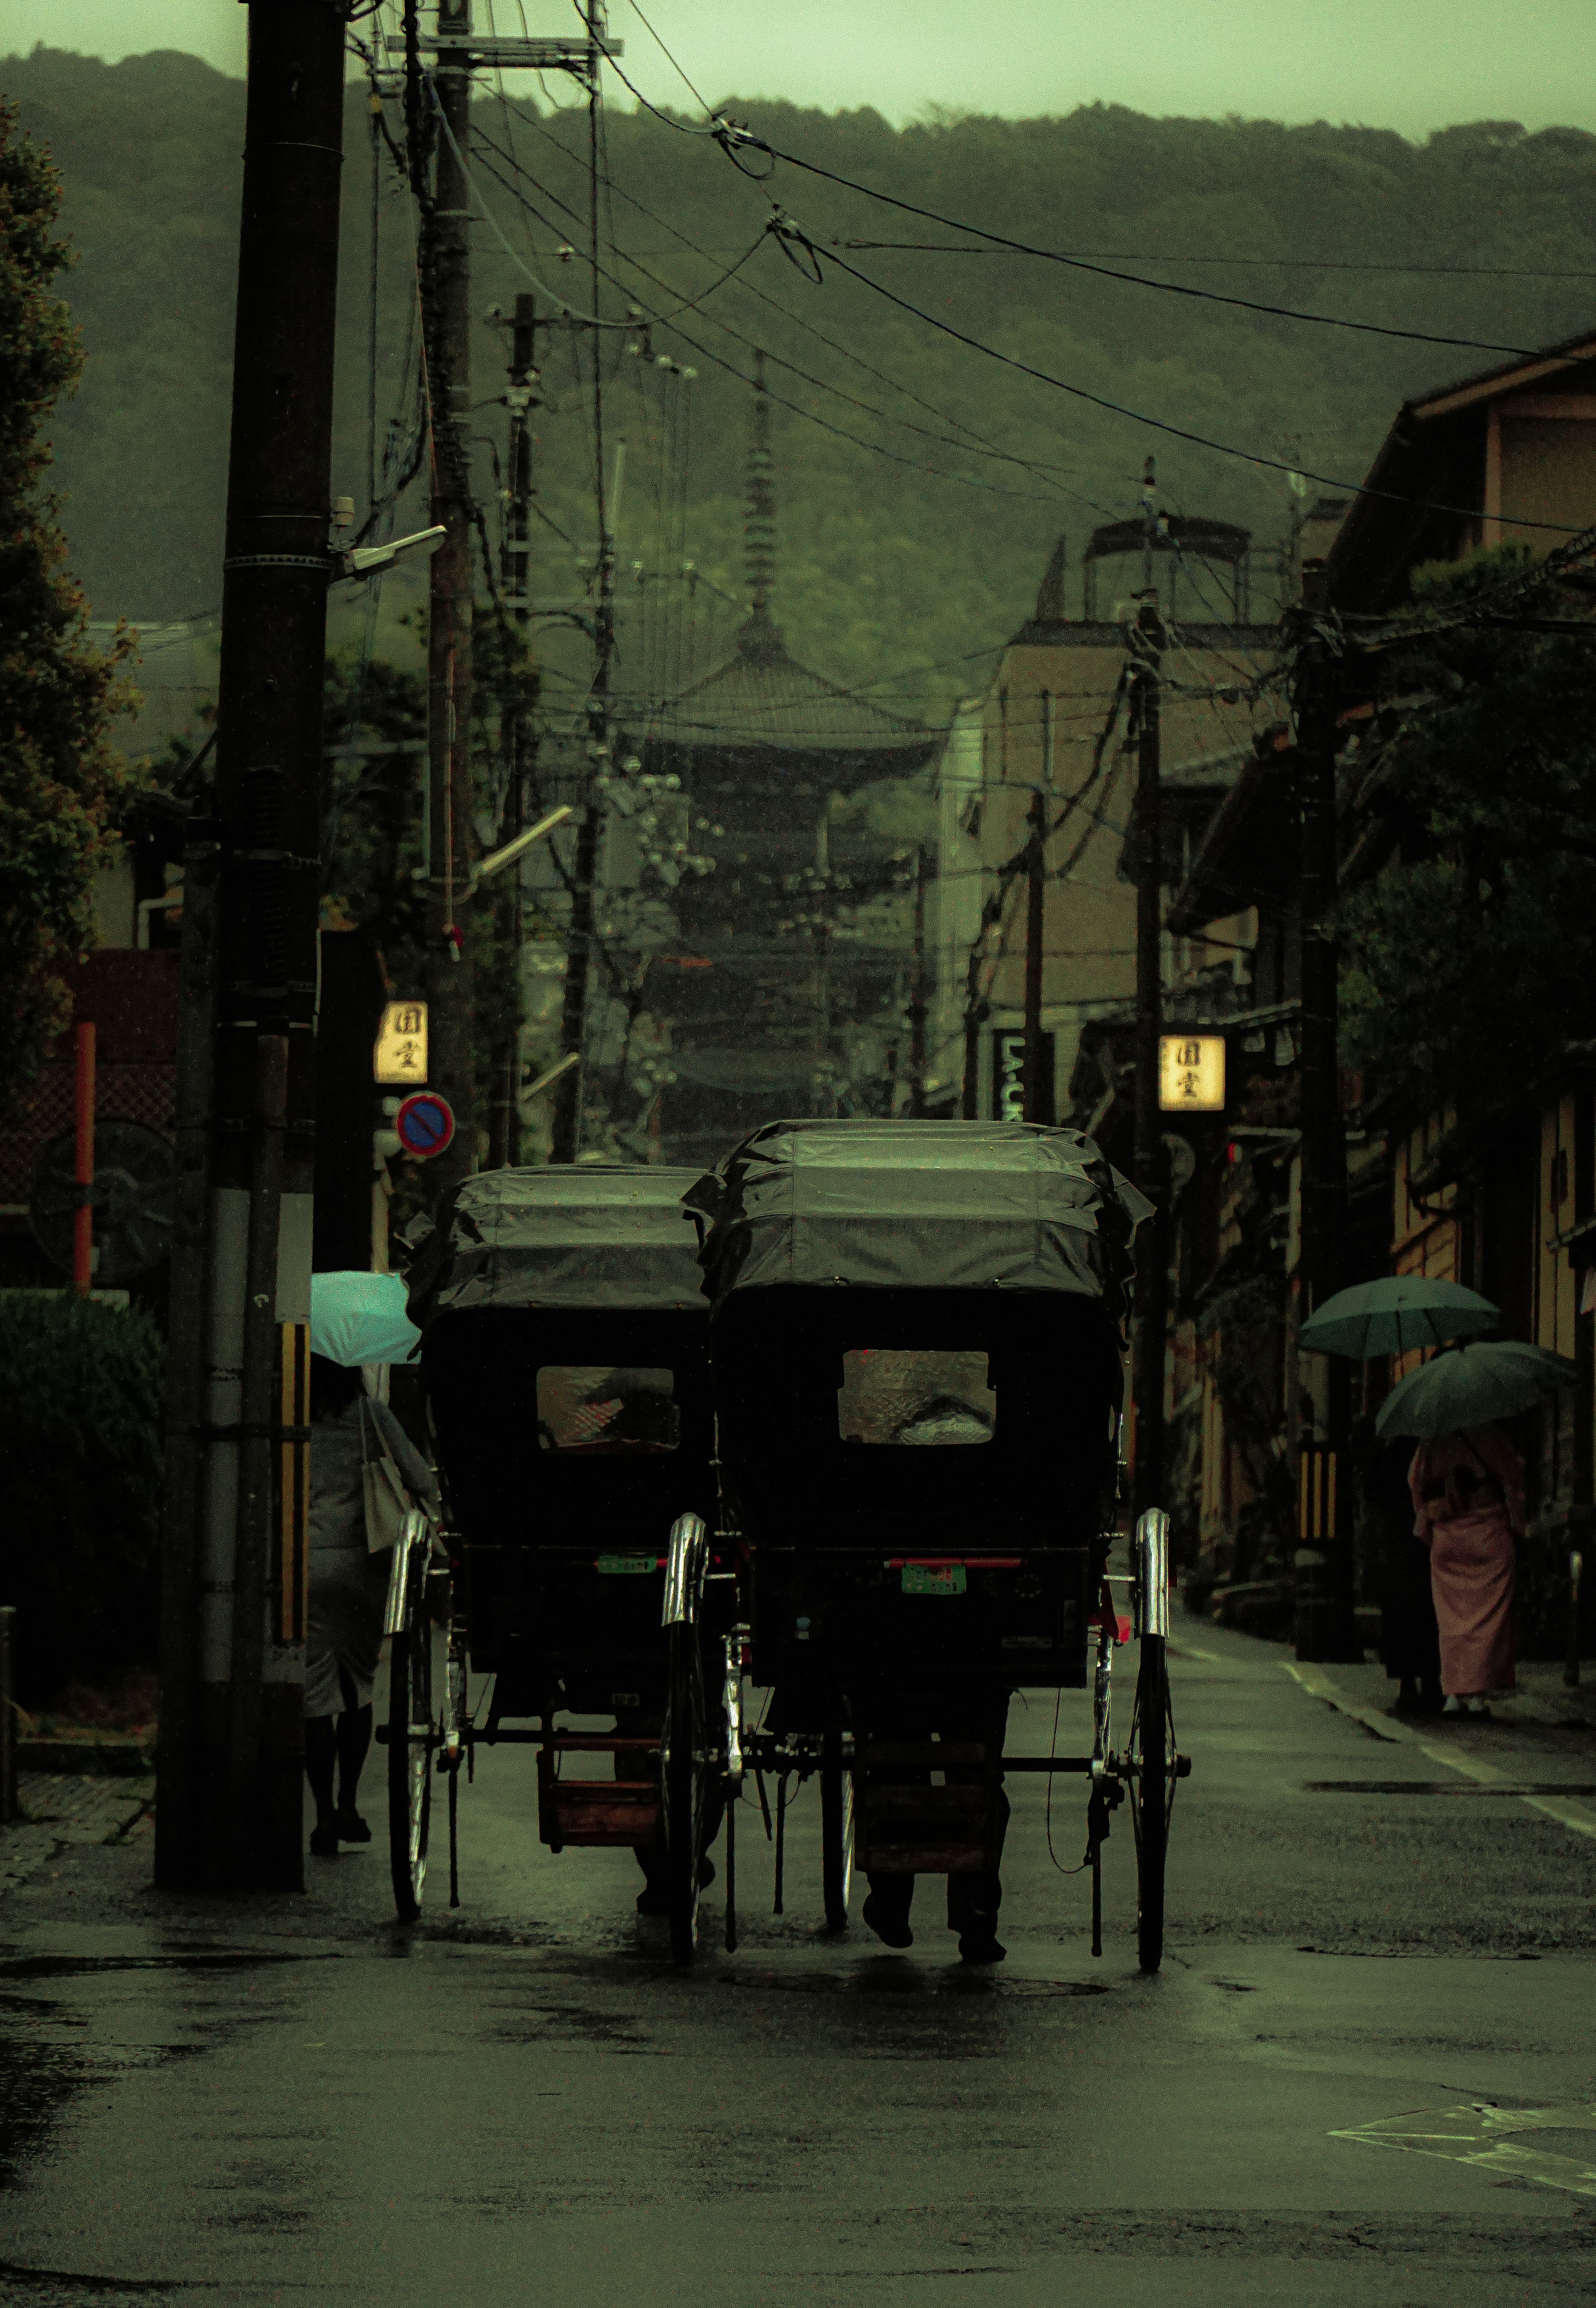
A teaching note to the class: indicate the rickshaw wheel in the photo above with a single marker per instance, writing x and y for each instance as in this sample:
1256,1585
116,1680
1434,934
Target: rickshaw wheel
409,1761
685,1742
1151,1740
837,1832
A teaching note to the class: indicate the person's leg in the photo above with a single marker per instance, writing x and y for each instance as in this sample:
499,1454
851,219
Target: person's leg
890,1715
352,1734
321,1754
975,1899
635,1763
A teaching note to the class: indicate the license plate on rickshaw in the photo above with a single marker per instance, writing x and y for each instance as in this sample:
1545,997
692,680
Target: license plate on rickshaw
928,1578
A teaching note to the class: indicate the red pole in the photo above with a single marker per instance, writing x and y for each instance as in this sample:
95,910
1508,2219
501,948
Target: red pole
82,1239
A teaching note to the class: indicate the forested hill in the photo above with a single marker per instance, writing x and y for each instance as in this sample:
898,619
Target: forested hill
899,550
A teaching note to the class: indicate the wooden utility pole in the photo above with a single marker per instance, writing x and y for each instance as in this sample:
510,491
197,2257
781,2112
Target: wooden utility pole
920,991
1037,1100
446,280
515,728
1152,1279
1324,1627
233,1661
579,962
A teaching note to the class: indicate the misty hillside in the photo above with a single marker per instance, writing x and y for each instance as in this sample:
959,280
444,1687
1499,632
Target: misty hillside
888,562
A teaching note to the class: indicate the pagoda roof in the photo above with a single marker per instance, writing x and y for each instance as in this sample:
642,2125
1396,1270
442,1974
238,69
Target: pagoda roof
763,698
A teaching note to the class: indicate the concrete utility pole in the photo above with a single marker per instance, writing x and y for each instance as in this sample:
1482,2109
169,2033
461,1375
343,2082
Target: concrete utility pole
446,280
234,1556
515,731
920,991
579,964
1325,1626
1038,1103
1152,1278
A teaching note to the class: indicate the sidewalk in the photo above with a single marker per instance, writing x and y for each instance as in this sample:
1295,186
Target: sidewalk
60,1809
1542,1698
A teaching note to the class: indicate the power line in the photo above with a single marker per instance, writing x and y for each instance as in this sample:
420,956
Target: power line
975,443
1133,280
840,432
1162,424
1273,263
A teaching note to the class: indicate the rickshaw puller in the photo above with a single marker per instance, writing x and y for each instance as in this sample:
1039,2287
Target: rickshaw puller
967,1718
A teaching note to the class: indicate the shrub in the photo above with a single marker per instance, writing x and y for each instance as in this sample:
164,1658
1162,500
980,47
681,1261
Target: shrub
81,1478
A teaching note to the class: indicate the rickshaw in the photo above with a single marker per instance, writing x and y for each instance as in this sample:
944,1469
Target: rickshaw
917,1351
565,1358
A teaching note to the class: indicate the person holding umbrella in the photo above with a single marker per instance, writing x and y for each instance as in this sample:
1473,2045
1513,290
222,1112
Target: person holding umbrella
1399,1314
1467,1482
1468,1509
360,1458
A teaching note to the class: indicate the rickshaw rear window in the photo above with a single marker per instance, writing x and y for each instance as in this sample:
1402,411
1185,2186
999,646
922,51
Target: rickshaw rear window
916,1395
600,1408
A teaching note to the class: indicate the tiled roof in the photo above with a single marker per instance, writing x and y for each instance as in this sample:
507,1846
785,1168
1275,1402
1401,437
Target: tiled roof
762,696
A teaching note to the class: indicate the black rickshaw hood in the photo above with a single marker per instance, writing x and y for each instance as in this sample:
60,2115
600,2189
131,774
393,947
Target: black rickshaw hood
581,1235
919,1205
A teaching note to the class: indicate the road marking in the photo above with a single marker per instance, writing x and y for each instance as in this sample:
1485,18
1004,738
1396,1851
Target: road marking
1190,1651
1569,1814
1480,2134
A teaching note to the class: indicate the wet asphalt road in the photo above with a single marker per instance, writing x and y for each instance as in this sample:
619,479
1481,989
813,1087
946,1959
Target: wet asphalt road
294,2100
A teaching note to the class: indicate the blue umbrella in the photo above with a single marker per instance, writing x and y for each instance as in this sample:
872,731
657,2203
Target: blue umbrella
361,1318
1395,1315
1468,1386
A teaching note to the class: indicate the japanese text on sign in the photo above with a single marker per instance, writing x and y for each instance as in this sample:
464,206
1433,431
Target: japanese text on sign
400,1053
1191,1073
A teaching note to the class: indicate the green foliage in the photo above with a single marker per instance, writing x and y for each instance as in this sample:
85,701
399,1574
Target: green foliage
61,785
1467,963
80,1474
885,568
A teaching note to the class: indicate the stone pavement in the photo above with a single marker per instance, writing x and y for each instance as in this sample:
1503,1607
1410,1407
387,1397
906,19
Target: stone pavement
61,1809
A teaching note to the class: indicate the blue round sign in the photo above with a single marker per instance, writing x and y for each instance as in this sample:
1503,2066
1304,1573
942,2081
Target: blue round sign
424,1123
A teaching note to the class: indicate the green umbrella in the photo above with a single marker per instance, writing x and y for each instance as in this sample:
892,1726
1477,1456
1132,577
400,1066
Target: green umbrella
1468,1386
1396,1315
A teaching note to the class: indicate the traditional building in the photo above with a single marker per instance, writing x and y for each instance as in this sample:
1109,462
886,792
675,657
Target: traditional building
784,967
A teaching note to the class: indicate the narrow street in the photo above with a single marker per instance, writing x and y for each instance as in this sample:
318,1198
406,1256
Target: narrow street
1367,2075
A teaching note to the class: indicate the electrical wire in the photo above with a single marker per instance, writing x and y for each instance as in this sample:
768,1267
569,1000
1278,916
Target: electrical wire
1133,280
1178,432
1041,470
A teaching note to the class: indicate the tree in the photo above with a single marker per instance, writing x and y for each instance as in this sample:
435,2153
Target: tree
61,787
1468,963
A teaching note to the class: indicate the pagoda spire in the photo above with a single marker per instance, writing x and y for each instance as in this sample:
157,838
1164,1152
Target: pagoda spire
759,527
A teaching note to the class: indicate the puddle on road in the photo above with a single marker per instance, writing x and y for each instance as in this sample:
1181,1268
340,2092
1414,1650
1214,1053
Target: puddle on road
92,1966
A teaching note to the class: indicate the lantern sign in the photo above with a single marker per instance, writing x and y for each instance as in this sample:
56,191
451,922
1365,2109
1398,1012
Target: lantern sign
1191,1073
400,1055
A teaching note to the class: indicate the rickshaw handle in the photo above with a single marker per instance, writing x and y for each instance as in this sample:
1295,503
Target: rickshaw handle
686,1558
1152,1573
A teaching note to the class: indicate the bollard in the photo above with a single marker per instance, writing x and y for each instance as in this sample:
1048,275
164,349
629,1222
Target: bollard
1577,1563
8,1720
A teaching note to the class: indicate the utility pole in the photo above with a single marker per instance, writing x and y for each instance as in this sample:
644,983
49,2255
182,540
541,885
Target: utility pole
515,733
446,278
579,965
1152,1279
920,994
1038,1103
234,1543
1324,1627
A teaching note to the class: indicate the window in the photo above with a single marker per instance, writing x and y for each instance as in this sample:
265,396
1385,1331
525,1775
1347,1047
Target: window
916,1395
599,1408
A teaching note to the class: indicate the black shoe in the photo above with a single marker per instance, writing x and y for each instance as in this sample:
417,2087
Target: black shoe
653,1899
351,1827
981,1948
892,1930
323,1842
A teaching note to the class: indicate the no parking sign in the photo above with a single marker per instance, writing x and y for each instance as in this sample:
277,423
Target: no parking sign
424,1123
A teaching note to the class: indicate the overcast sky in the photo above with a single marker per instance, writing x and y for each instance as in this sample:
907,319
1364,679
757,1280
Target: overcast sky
1410,65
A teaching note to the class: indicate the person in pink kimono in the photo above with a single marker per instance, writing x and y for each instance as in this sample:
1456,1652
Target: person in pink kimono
1469,1506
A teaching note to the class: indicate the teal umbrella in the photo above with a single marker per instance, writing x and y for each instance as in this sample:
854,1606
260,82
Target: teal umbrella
1468,1386
1396,1315
361,1318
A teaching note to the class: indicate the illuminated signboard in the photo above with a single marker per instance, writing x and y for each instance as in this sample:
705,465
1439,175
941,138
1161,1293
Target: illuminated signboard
399,1057
1191,1073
